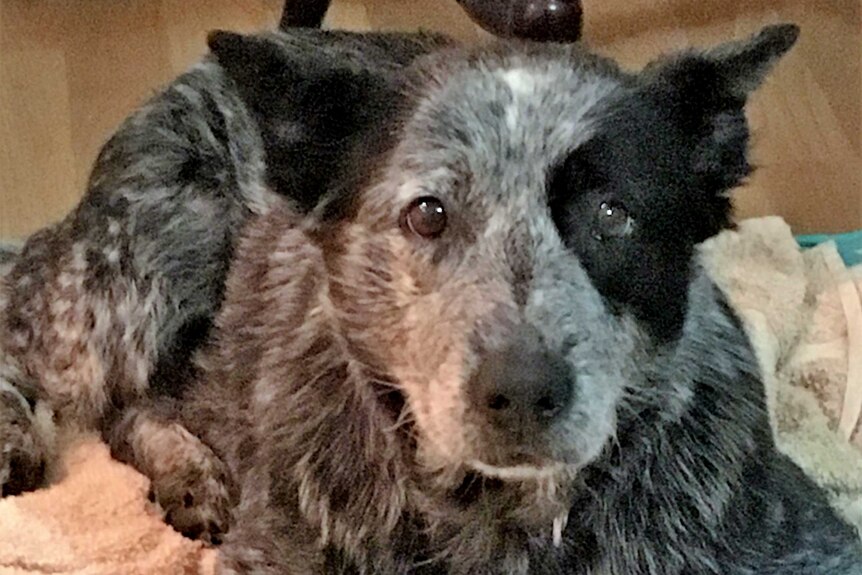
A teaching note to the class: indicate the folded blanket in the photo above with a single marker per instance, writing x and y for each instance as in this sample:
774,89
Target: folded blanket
95,518
803,312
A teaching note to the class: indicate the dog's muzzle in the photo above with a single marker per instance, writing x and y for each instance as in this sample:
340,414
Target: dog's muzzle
523,388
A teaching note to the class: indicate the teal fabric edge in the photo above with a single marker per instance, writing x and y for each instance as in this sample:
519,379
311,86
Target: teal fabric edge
849,244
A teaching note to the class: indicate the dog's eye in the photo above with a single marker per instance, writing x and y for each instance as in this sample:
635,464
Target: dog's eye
425,217
613,221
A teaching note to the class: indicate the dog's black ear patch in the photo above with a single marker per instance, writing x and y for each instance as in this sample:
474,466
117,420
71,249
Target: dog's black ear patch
707,92
729,72
310,106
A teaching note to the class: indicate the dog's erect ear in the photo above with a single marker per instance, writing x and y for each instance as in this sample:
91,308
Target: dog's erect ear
745,64
730,71
309,106
253,62
706,92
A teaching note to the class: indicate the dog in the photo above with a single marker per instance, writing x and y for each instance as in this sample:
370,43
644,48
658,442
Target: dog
373,475
102,311
492,349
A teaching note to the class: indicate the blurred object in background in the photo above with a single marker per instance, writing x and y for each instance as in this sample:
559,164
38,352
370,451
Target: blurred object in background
540,20
304,13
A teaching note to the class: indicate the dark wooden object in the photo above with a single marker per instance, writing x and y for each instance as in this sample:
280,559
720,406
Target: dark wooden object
539,20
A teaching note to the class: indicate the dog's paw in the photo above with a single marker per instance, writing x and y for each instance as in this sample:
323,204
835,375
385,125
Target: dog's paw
22,454
196,496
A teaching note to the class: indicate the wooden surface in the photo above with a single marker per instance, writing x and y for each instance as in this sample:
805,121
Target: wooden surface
70,70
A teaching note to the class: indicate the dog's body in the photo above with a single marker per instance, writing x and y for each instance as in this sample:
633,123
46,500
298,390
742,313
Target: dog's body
105,307
367,382
493,350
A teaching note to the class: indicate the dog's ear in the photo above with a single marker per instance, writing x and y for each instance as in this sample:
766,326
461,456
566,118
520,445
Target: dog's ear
309,107
256,64
729,72
706,92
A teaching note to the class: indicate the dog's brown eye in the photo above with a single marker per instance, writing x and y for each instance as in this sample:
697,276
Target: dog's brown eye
425,217
613,221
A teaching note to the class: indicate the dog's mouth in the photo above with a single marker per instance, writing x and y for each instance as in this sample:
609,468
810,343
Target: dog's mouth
518,463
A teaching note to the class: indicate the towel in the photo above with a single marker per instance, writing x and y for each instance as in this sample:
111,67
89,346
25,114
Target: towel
95,519
798,307
803,314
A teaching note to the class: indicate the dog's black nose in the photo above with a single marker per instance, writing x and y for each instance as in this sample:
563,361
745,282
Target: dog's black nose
524,386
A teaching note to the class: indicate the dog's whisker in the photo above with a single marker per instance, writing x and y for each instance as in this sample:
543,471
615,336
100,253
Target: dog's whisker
405,419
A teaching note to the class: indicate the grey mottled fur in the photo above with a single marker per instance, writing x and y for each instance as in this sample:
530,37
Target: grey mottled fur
662,463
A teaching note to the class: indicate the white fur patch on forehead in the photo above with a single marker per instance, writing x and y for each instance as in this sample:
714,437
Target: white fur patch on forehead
520,80
562,94
522,83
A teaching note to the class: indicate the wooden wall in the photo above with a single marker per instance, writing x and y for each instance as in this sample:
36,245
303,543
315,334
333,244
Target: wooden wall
70,70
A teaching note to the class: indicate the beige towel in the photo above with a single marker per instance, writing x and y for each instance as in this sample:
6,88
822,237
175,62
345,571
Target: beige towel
96,520
790,303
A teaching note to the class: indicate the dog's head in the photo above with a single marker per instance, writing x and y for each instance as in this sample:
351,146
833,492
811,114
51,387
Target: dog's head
513,247
536,217
510,254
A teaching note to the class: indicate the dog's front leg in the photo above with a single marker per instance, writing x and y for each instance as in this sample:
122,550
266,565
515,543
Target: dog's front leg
189,481
22,447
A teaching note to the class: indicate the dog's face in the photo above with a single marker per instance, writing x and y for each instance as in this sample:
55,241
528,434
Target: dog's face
458,277
529,237
533,227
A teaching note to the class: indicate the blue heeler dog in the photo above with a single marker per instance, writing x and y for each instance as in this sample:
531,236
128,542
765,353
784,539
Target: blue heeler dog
489,349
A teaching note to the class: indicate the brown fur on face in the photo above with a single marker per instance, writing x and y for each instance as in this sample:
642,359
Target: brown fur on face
311,422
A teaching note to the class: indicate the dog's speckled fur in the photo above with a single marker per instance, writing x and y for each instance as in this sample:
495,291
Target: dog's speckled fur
106,306
334,401
338,384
